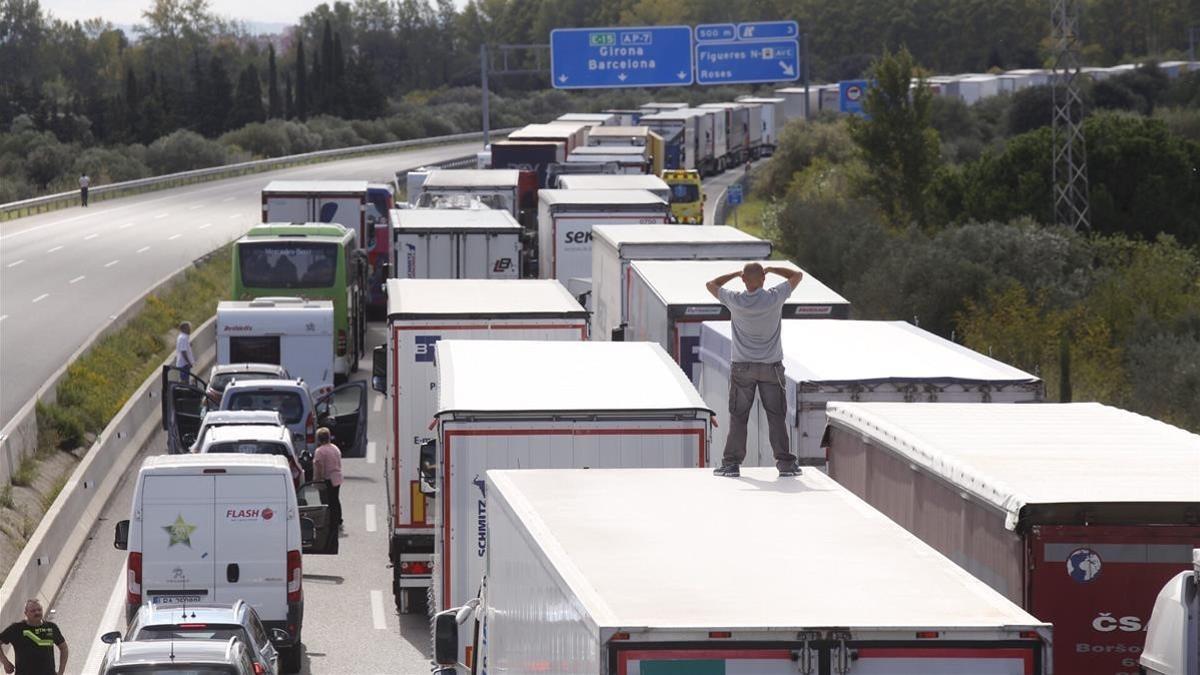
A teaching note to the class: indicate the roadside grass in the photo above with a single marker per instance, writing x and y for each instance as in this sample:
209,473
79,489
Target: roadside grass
752,216
26,472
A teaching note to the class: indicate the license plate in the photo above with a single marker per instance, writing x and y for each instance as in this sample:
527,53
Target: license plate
176,599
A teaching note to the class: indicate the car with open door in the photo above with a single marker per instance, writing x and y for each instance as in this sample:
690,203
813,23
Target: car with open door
183,400
222,374
344,412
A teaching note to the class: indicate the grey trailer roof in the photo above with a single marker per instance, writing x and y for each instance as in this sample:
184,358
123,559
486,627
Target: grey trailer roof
462,178
762,99
551,130
500,298
454,219
638,151
725,105
619,236
639,132
560,377
1012,455
614,181
317,186
672,105
596,118
601,198
647,549
681,282
838,350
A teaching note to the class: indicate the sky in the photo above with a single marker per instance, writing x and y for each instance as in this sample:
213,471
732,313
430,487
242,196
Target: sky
130,11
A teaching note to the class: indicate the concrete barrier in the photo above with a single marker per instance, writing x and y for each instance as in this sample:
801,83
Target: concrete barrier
42,568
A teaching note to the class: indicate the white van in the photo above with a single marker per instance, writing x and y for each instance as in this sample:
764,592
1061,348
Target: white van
222,528
291,332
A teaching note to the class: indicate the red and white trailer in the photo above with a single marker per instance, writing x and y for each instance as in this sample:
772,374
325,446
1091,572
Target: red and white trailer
648,572
543,405
1079,512
421,312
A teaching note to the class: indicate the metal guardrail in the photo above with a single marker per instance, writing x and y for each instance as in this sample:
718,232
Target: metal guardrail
27,207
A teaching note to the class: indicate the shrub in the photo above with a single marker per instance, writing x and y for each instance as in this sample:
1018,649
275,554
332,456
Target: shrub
26,472
110,165
60,427
184,151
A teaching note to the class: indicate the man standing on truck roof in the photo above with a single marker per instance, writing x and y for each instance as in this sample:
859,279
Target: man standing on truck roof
33,641
757,362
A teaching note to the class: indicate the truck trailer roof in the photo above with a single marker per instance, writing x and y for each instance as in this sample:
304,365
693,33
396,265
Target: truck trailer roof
325,187
1015,455
590,181
618,236
481,298
620,132
454,219
833,351
677,549
682,282
464,178
602,198
517,375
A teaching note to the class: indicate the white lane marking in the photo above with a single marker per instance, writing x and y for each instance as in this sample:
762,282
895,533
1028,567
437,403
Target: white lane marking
77,279
235,216
91,236
204,226
142,249
164,214
125,226
377,616
56,248
41,297
369,515
193,208
370,452
378,404
14,264
227,199
109,621
111,263
174,237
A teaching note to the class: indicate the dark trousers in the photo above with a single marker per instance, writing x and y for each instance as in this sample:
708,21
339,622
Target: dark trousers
335,502
767,379
83,195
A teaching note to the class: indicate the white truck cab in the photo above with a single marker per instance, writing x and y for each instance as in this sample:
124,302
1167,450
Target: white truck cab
1173,634
222,528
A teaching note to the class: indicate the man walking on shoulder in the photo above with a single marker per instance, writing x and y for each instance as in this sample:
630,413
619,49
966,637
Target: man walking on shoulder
84,183
757,362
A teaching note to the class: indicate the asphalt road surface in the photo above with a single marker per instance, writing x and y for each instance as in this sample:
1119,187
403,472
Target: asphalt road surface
63,274
350,622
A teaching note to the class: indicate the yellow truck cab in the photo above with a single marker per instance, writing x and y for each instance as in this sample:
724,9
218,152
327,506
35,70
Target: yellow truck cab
687,195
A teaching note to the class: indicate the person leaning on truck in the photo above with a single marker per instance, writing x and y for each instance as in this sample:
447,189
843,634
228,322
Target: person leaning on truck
756,316
33,641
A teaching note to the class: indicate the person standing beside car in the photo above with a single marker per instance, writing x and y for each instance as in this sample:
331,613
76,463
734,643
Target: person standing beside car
184,357
33,641
327,466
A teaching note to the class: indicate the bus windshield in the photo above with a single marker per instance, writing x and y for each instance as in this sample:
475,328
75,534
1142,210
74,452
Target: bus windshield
286,264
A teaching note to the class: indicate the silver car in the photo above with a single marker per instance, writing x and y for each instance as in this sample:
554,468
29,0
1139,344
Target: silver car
193,657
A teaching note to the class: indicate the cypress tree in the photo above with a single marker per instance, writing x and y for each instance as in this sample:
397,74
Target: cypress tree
301,101
316,96
289,103
219,99
247,102
274,105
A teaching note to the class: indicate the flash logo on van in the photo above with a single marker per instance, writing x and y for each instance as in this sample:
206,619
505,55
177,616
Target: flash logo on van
249,514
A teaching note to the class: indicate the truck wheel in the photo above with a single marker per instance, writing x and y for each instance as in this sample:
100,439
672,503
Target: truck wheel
289,659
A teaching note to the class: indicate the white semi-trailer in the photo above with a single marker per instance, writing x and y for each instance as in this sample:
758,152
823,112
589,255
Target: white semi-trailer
421,313
827,360
614,247
565,220
650,572
470,243
542,405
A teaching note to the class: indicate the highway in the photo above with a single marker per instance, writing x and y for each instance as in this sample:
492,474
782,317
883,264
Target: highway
350,622
63,274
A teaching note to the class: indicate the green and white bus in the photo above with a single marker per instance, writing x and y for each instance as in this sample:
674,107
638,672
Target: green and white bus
315,261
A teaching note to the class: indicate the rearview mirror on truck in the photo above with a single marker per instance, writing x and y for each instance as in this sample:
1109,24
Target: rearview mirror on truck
121,535
379,369
428,465
308,532
445,637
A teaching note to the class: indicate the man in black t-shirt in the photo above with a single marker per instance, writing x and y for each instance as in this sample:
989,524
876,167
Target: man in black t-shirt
33,641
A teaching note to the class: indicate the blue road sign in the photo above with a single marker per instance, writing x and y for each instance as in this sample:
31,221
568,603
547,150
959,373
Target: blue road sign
768,30
733,194
712,32
739,62
851,95
592,58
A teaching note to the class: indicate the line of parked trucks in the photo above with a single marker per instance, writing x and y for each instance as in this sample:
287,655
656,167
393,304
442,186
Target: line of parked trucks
556,378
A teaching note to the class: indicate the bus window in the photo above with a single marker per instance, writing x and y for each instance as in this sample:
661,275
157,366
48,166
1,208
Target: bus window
288,265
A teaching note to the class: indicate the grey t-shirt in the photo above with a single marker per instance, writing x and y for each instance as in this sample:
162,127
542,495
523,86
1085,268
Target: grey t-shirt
756,318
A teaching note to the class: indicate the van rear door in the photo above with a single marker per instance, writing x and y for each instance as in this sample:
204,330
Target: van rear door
250,559
177,538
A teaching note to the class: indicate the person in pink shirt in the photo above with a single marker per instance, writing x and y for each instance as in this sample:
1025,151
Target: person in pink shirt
327,466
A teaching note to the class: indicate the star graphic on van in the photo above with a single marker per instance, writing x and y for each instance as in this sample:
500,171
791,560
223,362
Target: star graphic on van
180,532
